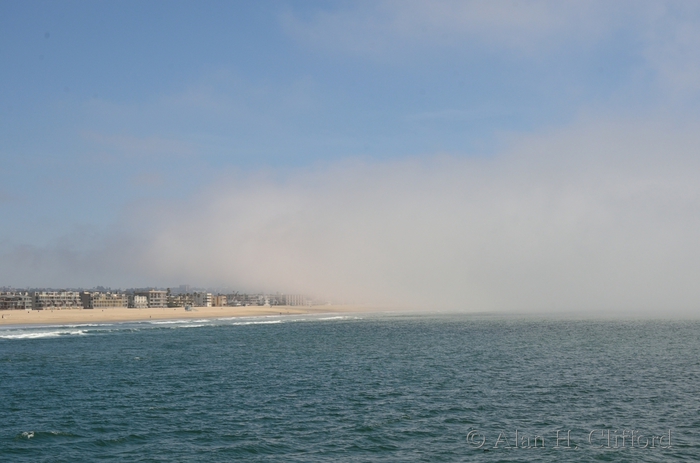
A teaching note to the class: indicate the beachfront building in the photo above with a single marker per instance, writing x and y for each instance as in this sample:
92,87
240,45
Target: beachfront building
219,300
180,300
233,300
156,298
253,299
45,300
97,300
295,299
202,299
277,299
137,302
11,300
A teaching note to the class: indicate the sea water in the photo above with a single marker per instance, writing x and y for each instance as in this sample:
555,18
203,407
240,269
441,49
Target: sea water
360,388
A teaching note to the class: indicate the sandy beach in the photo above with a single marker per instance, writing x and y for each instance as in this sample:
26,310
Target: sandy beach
67,316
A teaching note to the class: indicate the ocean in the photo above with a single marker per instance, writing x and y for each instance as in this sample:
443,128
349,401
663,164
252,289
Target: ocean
356,388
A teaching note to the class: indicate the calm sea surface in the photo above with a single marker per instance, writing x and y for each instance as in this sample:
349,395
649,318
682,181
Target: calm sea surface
352,388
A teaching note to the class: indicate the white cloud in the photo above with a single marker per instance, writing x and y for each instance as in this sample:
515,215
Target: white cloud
672,36
380,27
601,216
663,35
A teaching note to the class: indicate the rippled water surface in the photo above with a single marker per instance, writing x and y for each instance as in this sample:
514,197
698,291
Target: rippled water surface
366,388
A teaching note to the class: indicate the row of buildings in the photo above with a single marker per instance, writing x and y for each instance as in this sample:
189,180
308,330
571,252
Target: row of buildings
153,298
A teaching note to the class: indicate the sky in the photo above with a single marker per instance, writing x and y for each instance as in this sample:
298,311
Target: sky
473,155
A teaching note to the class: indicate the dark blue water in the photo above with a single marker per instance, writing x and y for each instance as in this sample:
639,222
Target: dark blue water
376,388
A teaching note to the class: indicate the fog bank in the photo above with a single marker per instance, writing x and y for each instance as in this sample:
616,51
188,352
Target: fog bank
600,216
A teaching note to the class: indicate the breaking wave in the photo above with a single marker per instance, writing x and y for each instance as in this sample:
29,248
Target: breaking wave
42,334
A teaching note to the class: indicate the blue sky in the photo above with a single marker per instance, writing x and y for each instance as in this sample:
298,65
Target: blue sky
109,108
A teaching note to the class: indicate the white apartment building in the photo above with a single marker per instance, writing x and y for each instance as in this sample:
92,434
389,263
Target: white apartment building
156,298
295,299
202,299
138,302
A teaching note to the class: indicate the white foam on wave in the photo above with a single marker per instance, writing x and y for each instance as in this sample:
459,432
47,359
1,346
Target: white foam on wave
31,434
42,334
183,323
254,317
332,318
87,324
168,322
267,322
224,319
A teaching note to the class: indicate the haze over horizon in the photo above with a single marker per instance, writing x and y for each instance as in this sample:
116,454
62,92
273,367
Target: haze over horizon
500,156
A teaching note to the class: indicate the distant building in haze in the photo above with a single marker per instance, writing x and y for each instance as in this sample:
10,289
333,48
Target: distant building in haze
182,289
295,299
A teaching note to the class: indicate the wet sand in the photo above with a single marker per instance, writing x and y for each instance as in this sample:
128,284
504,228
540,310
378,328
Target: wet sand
67,316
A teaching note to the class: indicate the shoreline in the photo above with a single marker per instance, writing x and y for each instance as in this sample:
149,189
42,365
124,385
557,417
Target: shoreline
67,316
